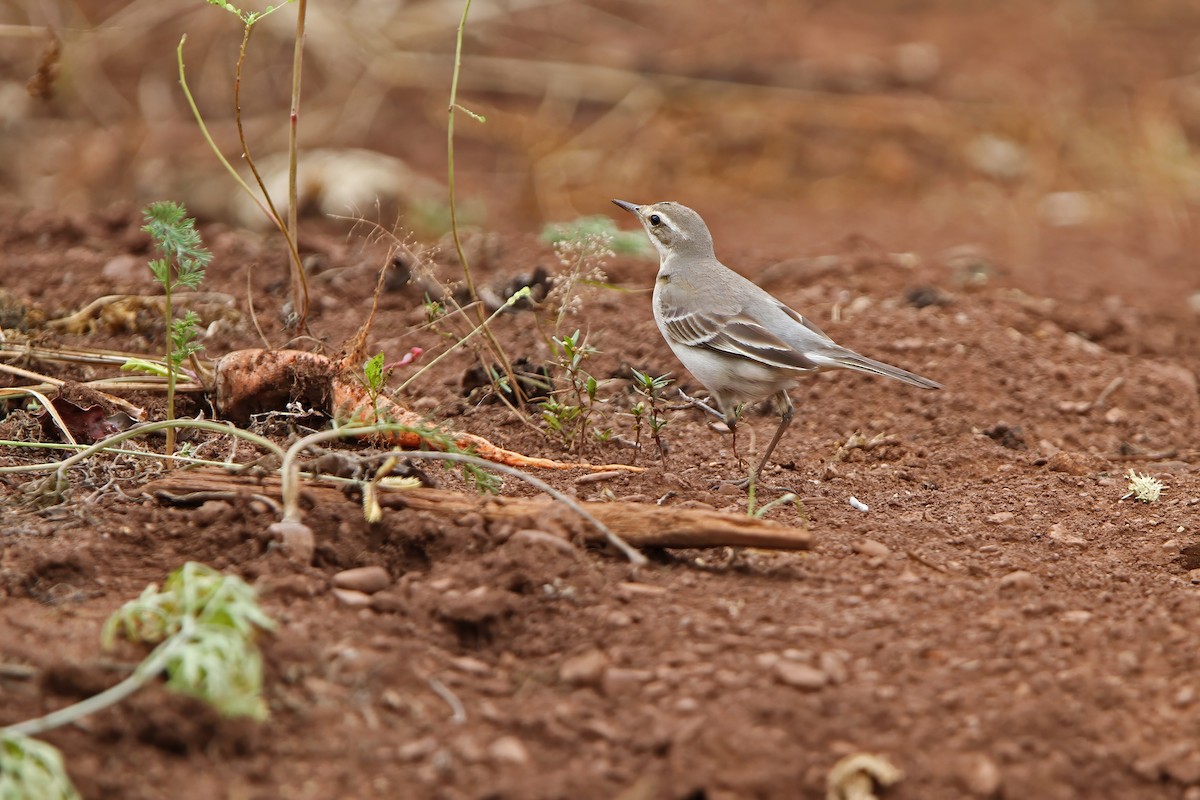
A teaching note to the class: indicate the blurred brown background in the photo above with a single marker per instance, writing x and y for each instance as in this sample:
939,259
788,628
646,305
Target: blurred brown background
1032,132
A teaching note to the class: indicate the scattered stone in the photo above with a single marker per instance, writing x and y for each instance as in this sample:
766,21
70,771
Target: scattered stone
917,63
585,669
980,775
472,666
1020,581
1077,616
618,681
352,598
388,602
367,580
871,548
416,750
833,664
997,157
766,660
1001,518
298,540
800,676
509,750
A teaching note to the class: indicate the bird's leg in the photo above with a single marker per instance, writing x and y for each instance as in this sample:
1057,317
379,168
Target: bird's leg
785,419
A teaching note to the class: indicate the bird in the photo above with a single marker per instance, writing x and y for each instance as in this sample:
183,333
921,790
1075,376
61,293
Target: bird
738,340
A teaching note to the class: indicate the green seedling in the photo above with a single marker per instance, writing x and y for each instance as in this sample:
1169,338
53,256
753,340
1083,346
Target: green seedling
204,623
568,417
374,378
180,265
30,768
650,413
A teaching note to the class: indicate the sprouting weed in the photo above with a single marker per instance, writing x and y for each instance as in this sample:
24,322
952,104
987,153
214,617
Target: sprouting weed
1145,488
209,620
650,412
567,414
31,768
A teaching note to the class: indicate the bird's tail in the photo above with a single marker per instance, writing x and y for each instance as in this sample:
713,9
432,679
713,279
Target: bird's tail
848,359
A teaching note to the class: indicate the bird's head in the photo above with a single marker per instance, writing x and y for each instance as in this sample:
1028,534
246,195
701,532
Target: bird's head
674,229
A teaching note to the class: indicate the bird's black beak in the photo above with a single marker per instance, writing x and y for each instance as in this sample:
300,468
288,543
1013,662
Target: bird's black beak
630,207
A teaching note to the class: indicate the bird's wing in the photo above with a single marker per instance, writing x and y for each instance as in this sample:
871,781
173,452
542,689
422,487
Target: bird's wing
803,320
736,334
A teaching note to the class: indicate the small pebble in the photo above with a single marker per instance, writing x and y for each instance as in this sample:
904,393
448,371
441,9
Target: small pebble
800,676
353,598
388,602
1001,518
858,505
1020,581
618,681
585,669
472,666
980,775
363,579
509,750
871,548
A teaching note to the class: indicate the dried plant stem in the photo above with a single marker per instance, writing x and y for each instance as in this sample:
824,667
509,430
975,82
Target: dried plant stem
299,283
458,247
293,132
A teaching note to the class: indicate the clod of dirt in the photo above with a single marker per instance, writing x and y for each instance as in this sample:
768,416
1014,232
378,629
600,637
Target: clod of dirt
1005,435
297,539
1020,581
472,616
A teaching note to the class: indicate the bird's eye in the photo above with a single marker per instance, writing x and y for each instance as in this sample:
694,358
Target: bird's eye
655,220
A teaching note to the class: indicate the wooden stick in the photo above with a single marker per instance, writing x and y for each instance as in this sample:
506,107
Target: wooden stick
639,524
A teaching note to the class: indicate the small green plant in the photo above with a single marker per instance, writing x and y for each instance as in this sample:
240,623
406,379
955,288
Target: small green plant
180,265
30,768
568,417
203,622
649,412
375,376
1144,488
206,622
